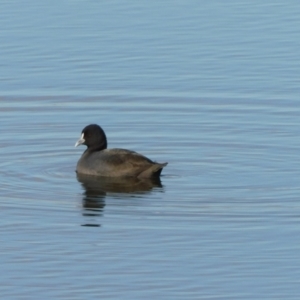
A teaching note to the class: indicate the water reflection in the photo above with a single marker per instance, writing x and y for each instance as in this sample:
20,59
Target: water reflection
97,188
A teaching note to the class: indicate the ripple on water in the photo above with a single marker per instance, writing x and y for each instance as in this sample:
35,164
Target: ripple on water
230,189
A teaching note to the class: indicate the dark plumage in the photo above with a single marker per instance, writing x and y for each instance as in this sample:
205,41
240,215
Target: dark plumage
100,161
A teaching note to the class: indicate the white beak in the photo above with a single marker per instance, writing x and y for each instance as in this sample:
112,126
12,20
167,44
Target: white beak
80,141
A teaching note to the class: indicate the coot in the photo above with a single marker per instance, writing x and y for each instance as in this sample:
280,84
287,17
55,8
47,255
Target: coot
100,161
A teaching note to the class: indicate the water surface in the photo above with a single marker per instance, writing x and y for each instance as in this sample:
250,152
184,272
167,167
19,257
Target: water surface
211,89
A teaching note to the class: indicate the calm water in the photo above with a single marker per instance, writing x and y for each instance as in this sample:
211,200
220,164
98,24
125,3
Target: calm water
212,88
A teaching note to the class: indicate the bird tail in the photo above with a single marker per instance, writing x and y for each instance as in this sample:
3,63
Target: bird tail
153,171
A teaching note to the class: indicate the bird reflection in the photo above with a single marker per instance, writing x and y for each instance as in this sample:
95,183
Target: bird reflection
96,189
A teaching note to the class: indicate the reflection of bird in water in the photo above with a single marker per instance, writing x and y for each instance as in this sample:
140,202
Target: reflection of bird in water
93,196
99,186
96,188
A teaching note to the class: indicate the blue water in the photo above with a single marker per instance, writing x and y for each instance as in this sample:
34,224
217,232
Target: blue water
211,88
